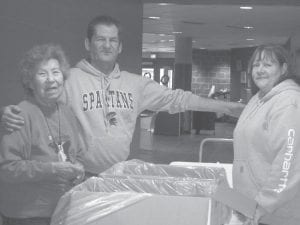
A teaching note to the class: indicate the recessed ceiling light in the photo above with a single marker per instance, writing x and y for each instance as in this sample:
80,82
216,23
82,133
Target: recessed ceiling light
246,7
154,17
177,32
164,3
250,39
248,27
161,34
202,48
153,56
171,40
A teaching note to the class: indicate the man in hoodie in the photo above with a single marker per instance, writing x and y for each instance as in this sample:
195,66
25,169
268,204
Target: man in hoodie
107,101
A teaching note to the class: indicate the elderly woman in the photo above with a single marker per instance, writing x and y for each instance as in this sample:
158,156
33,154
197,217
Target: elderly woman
39,162
267,140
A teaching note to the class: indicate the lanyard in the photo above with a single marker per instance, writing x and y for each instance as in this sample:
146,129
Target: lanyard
58,145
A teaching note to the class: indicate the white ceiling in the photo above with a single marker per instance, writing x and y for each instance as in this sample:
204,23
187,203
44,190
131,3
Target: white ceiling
217,26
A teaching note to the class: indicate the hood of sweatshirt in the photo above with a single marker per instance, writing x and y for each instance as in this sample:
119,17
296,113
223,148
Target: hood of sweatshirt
88,68
256,102
281,87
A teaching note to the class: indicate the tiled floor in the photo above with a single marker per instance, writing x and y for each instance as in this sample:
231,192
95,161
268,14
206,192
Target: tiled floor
166,149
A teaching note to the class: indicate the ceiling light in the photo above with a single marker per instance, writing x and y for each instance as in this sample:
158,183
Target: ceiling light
248,27
177,32
250,39
164,3
246,7
154,17
153,56
161,34
171,40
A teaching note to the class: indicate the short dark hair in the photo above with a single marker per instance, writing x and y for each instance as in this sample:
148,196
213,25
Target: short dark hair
37,55
104,20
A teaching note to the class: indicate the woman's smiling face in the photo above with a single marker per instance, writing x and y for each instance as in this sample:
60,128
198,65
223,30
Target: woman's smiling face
266,71
47,83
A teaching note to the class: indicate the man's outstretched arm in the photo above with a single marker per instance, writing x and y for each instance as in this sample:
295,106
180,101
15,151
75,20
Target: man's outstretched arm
211,105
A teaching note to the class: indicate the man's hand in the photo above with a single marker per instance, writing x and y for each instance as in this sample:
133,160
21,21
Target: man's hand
235,108
11,120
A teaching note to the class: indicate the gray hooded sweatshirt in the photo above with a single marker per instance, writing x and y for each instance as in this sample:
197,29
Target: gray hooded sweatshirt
267,153
107,107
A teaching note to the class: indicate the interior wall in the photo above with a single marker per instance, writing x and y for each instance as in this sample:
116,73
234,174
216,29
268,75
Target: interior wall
210,67
29,22
295,41
240,88
159,55
295,48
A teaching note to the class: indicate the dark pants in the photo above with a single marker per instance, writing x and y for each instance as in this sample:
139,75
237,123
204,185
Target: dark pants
27,221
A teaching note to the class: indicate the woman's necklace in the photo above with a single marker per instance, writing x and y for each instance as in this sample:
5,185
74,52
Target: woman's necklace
58,144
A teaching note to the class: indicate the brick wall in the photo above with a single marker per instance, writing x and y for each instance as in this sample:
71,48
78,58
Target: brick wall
210,67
